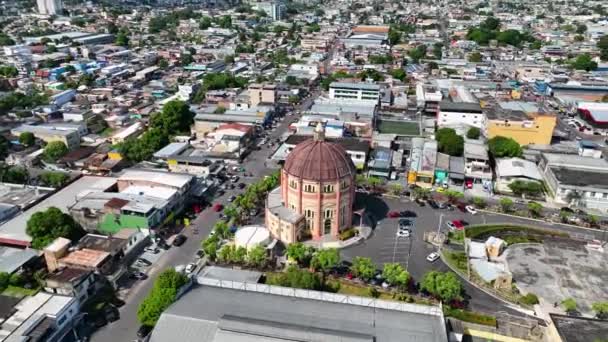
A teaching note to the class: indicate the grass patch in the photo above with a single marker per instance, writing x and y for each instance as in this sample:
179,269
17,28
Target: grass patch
469,316
398,127
457,260
19,292
456,237
106,132
512,233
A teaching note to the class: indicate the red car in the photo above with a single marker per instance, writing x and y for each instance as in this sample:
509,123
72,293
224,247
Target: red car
394,214
458,224
217,207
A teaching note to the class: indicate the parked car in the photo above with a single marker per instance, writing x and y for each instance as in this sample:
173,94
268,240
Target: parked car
455,225
408,213
405,223
420,202
403,233
200,253
190,268
217,207
242,185
138,275
450,225
231,198
433,204
471,209
442,205
144,331
152,249
144,261
179,240
432,257
394,214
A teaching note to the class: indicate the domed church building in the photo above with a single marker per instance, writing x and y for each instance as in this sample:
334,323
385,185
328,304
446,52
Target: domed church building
316,195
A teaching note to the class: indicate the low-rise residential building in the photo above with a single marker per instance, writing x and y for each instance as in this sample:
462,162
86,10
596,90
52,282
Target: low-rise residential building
74,282
477,170
262,93
423,157
509,170
68,135
43,317
458,114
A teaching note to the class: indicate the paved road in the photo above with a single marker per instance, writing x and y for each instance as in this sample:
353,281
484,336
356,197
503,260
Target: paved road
125,329
384,246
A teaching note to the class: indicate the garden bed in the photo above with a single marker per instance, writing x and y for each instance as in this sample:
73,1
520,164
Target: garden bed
512,233
469,316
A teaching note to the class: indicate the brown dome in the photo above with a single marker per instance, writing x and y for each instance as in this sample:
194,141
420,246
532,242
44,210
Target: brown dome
319,160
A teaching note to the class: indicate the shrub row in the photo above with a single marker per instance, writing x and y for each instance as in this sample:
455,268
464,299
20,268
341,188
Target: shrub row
468,316
479,231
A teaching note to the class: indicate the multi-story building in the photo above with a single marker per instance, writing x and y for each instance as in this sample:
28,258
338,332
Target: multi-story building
457,114
50,7
316,195
362,92
274,9
423,157
477,168
524,122
262,93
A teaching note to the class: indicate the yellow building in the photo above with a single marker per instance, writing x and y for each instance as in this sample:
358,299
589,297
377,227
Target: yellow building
522,122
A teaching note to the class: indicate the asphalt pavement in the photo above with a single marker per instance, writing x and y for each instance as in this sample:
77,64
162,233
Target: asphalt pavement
125,328
385,247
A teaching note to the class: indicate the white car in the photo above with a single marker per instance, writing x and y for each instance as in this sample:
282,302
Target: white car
403,233
471,209
450,225
432,257
190,268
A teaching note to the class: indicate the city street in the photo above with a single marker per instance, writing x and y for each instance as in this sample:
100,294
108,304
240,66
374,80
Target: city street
126,327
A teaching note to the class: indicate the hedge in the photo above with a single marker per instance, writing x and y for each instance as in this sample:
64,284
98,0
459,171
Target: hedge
529,299
469,316
479,231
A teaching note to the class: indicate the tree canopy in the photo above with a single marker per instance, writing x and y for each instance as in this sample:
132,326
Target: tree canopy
363,268
583,62
395,274
163,294
27,139
449,142
55,150
473,133
444,286
45,226
54,179
502,147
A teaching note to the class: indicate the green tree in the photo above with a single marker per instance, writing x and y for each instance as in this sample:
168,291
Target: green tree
453,195
296,278
583,62
205,23
299,252
363,268
417,53
569,305
162,295
210,246
55,150
394,37
398,74
449,142
13,174
257,256
600,309
473,133
395,275
325,259
8,71
225,22
529,188
175,118
535,209
506,204
4,280
186,59
122,38
502,147
45,226
16,279
162,63
444,286
54,179
27,139
474,57
581,28
6,40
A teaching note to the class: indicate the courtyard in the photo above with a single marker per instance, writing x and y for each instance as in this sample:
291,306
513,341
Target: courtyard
560,269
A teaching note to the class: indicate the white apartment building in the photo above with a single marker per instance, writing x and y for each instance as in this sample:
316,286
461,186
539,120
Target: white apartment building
455,114
363,92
